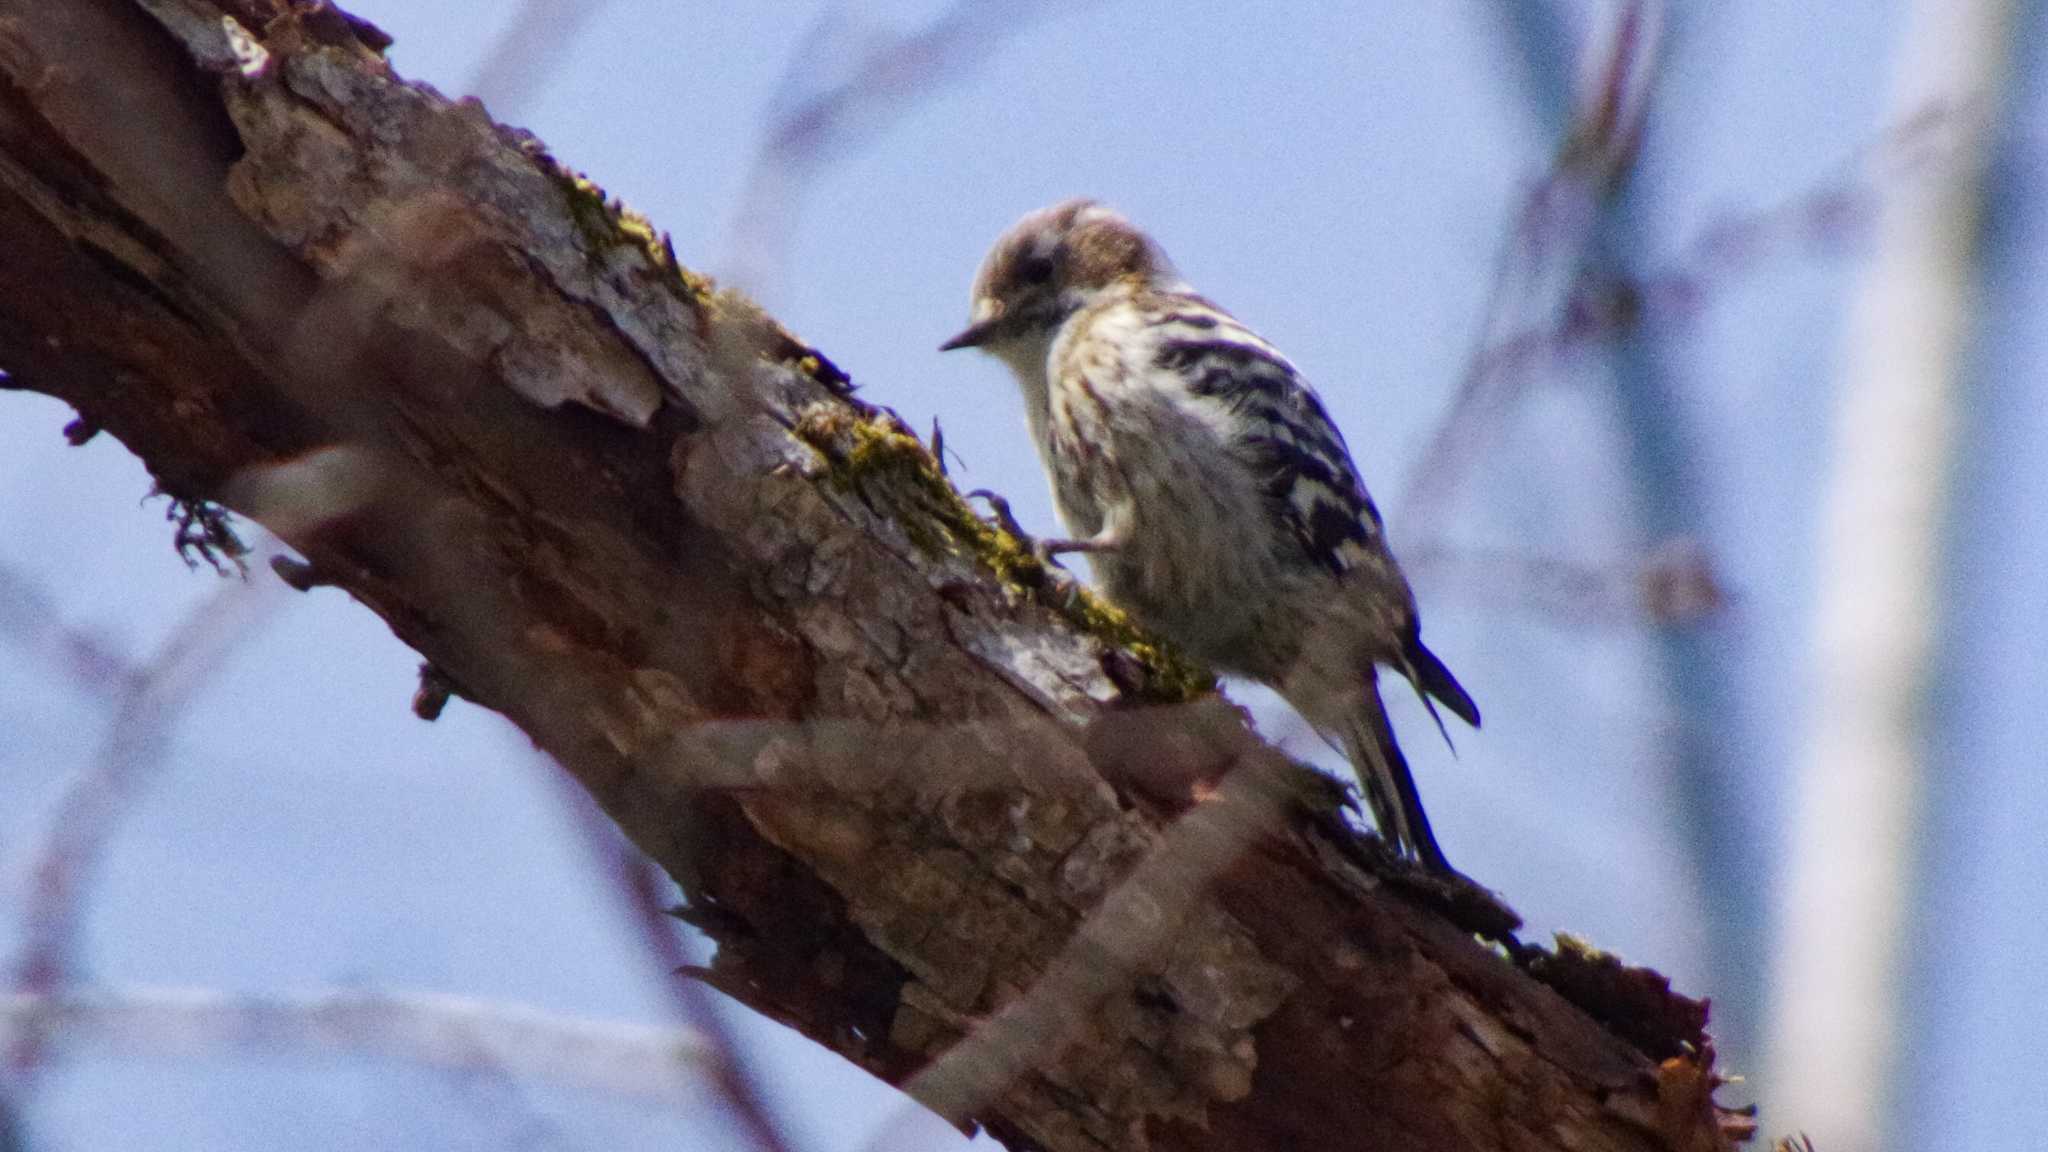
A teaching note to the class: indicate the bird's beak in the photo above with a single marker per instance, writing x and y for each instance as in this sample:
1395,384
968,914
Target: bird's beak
974,335
988,318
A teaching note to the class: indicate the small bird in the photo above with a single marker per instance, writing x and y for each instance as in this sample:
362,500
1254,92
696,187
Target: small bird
1198,470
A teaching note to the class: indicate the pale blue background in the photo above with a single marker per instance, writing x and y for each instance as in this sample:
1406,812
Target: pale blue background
1340,176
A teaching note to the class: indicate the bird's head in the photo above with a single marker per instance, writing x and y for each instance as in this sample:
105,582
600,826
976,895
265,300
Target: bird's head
1048,266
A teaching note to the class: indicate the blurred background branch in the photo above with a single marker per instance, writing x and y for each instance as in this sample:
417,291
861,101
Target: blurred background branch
1854,848
148,708
528,54
33,625
1565,281
847,80
648,898
659,1065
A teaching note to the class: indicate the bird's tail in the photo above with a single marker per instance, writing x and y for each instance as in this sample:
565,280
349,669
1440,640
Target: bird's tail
1389,786
1431,679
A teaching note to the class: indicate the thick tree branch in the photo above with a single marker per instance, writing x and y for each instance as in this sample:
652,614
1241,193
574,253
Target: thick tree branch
747,613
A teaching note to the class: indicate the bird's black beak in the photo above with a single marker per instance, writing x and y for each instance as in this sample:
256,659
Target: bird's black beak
975,335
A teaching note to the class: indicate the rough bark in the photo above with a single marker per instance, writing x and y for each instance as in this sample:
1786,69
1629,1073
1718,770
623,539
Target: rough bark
658,532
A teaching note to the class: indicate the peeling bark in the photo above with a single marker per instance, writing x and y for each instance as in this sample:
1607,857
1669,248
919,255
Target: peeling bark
900,787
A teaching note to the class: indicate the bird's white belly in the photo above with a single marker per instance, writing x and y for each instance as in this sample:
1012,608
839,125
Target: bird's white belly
1198,567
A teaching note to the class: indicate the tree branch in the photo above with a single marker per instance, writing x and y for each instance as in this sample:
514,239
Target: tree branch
66,862
636,1061
750,616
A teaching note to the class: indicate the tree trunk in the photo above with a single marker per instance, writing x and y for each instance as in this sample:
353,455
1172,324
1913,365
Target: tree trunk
987,843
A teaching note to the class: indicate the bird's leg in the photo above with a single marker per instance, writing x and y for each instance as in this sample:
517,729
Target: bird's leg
1115,530
1110,538
1103,541
1047,550
1048,553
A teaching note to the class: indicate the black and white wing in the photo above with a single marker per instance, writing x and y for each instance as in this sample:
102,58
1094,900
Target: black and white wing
1288,440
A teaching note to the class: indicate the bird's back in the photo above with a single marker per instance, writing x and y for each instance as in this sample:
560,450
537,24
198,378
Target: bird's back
1246,507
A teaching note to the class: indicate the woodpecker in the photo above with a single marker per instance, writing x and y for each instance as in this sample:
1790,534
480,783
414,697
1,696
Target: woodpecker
1203,478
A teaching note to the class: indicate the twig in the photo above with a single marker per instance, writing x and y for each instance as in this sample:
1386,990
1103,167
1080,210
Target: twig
529,52
1124,936
1554,293
642,889
619,1058
1726,867
1606,304
811,122
1675,585
29,618
1541,263
151,705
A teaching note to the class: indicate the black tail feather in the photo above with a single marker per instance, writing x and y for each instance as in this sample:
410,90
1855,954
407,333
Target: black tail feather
1431,678
1389,786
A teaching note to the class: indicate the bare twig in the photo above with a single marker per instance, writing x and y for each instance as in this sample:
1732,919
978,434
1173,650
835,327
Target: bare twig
528,53
30,620
644,893
1552,294
878,76
150,708
1121,939
623,1059
1675,585
1605,304
1602,304
1542,262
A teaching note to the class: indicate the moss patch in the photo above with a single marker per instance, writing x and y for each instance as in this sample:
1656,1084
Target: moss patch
873,454
603,220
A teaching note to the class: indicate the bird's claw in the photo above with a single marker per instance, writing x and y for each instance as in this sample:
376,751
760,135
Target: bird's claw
999,511
1059,583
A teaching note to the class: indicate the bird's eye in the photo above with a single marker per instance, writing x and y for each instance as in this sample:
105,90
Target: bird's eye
1034,269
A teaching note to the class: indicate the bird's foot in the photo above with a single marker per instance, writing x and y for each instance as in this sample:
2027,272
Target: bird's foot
1061,585
999,512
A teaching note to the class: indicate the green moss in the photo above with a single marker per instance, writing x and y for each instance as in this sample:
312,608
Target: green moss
604,221
1579,948
867,451
587,207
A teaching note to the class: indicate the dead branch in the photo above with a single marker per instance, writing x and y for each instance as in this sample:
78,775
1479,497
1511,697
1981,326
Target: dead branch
751,617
